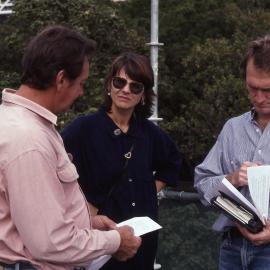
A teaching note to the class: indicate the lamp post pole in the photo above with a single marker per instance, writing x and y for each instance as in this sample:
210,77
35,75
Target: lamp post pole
6,7
154,46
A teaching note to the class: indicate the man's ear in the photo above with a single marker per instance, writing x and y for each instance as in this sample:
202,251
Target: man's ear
60,79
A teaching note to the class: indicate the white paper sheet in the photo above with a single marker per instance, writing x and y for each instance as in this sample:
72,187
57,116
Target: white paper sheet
141,225
259,187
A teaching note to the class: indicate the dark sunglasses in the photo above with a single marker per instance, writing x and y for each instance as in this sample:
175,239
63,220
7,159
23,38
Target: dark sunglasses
135,87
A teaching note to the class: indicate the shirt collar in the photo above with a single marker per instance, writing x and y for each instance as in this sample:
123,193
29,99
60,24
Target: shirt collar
253,114
8,95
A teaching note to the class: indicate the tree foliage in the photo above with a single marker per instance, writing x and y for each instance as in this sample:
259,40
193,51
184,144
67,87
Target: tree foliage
201,86
96,19
186,240
200,81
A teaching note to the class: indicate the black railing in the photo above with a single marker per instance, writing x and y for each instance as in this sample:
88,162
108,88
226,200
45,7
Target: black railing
189,222
179,195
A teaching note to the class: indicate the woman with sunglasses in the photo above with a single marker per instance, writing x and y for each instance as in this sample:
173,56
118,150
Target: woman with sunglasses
122,158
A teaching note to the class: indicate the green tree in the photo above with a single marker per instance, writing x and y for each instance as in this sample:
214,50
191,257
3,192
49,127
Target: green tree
186,240
201,82
201,86
97,19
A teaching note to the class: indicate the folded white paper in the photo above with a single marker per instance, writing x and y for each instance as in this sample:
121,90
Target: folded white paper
141,225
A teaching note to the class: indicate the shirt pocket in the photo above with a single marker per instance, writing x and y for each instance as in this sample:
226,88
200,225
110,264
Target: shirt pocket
68,173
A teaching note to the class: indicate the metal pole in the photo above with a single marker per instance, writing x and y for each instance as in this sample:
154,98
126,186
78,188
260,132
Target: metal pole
179,195
154,63
154,44
6,7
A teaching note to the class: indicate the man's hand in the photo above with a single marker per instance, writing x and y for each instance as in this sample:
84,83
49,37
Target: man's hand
103,223
239,177
129,244
257,239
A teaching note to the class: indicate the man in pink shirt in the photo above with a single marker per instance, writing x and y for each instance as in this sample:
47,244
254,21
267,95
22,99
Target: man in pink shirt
44,219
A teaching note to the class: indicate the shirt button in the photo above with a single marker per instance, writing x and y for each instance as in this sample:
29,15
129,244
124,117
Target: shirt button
117,132
133,204
130,179
257,130
260,151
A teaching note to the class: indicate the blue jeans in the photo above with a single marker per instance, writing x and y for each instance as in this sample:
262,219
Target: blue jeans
240,254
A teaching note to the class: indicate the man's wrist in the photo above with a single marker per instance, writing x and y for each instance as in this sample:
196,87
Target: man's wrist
232,178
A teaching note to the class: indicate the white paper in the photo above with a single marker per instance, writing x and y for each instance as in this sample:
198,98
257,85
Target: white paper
98,263
141,225
232,192
259,187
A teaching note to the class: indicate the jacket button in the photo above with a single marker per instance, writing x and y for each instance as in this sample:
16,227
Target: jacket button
117,132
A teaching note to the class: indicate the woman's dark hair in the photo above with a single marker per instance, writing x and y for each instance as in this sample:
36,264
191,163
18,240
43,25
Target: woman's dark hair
259,51
55,48
138,68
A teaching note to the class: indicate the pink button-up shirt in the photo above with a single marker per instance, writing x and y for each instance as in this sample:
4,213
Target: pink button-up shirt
43,214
